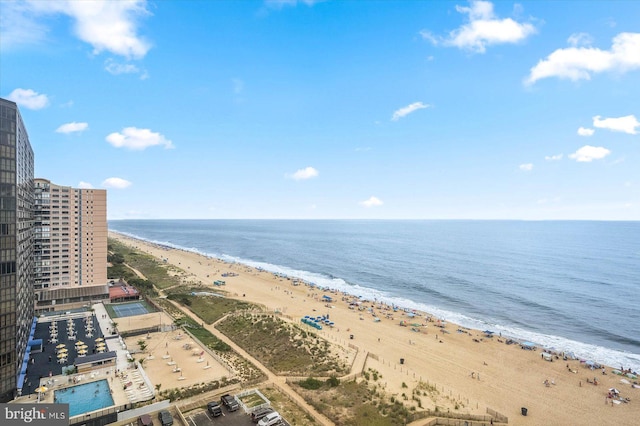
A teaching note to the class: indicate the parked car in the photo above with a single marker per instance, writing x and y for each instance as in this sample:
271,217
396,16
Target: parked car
270,419
214,408
145,420
165,417
229,402
260,413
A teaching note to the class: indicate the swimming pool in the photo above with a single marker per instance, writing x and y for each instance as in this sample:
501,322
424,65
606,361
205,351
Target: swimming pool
84,398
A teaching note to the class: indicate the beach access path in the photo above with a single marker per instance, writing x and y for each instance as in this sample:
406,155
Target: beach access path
278,381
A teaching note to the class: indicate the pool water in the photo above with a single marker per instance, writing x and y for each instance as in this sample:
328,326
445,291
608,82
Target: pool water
85,398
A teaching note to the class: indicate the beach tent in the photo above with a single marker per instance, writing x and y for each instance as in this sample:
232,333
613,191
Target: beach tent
528,346
327,298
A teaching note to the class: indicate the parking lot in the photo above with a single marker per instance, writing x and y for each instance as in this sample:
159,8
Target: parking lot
236,418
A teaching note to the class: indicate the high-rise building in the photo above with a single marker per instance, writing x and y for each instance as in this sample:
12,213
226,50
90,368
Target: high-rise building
16,245
70,246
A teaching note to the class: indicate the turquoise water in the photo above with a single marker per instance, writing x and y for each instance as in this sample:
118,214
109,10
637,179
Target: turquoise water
85,398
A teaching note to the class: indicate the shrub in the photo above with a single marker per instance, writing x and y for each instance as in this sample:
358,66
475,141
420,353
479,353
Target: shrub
311,384
333,381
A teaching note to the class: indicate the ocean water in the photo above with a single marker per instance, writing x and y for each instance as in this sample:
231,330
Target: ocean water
573,286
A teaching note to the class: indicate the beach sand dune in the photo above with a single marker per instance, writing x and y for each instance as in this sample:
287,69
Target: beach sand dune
464,366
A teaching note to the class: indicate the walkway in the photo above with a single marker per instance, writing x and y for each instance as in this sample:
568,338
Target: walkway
278,381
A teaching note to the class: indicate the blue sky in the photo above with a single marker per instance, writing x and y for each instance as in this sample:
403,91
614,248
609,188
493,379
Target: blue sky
333,109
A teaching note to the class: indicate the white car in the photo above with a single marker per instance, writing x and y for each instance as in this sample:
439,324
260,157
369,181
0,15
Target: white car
270,419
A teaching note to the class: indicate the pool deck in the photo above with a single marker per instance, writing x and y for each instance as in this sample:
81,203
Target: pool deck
59,382
126,383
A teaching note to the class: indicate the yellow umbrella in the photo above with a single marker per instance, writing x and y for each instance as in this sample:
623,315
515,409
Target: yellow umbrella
42,389
62,355
100,344
99,339
82,347
82,351
79,343
63,350
60,346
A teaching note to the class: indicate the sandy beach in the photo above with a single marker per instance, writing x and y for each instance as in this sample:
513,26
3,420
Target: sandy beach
475,371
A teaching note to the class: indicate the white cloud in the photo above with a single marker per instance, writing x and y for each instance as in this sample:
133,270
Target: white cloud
408,110
304,174
556,157
106,25
588,153
626,124
579,63
137,139
526,167
483,29
72,127
28,98
584,131
116,69
278,4
580,39
428,35
85,185
116,183
18,26
371,202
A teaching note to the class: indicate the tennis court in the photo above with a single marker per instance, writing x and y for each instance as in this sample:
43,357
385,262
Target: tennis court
128,309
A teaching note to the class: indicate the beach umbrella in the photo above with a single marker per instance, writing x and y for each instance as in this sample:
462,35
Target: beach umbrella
82,347
82,351
42,389
62,355
63,350
60,346
79,343
99,339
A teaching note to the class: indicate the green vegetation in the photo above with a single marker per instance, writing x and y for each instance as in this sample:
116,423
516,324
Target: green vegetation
209,308
287,408
311,384
155,272
187,392
252,400
354,403
282,347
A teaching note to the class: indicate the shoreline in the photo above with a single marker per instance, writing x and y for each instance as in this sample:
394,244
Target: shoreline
476,372
556,344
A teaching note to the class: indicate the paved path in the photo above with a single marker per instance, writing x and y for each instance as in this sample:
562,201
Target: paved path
279,381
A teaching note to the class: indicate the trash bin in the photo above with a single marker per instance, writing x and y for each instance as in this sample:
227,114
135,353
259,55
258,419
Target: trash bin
401,361
524,411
